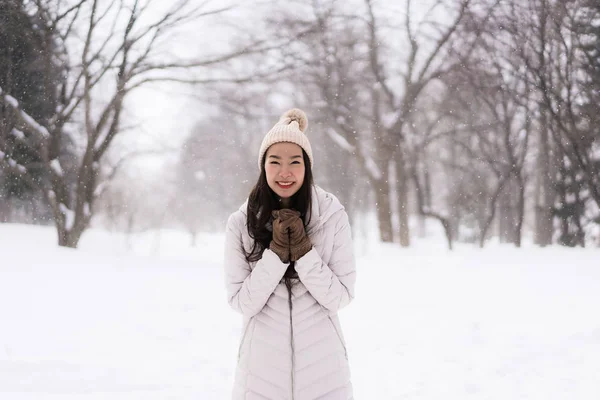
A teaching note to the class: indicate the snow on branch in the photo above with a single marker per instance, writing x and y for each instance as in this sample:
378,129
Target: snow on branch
69,216
11,101
340,140
18,134
390,119
32,123
12,163
25,119
56,167
372,167
370,164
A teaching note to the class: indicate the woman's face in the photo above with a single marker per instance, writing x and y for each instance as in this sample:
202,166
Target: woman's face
284,167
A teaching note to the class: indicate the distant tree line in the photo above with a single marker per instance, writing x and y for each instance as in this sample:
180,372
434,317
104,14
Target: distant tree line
480,115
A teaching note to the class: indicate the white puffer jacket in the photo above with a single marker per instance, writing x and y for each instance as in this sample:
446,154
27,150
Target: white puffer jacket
293,350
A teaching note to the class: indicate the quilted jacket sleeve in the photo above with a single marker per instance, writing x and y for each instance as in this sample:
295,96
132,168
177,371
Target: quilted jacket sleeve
331,285
248,290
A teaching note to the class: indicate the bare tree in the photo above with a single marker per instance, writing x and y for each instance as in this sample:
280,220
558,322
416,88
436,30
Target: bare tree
502,146
544,193
552,52
420,175
111,48
428,60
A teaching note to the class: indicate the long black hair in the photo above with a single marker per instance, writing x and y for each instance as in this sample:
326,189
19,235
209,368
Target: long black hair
263,200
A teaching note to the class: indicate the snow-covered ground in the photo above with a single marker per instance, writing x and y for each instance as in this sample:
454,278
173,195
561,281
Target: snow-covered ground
152,322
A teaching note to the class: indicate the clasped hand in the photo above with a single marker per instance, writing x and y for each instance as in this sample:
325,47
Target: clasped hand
290,241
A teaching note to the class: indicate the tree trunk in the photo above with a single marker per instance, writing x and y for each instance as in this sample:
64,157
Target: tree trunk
382,205
68,238
427,212
506,213
426,193
491,209
381,185
402,193
427,196
4,209
520,210
544,193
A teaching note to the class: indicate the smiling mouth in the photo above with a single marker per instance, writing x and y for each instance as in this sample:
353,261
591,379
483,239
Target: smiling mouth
285,185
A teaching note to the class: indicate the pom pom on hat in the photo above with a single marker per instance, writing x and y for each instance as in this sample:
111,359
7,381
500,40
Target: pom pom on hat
296,114
290,128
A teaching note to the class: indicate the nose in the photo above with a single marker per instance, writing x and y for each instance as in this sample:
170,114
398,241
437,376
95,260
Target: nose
285,172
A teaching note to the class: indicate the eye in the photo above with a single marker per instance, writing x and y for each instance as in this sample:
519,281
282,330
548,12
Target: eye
295,162
273,162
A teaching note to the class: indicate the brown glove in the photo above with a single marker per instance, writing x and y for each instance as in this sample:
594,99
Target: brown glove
299,242
285,214
280,244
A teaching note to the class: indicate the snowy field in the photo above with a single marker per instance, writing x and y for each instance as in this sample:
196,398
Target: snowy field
152,322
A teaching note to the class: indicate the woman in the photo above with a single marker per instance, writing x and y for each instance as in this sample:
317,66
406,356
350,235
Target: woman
289,267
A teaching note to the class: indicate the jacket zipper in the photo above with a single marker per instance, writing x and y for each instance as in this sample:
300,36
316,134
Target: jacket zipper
292,339
289,288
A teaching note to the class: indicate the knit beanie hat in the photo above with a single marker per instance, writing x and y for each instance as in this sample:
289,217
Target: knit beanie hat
290,128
